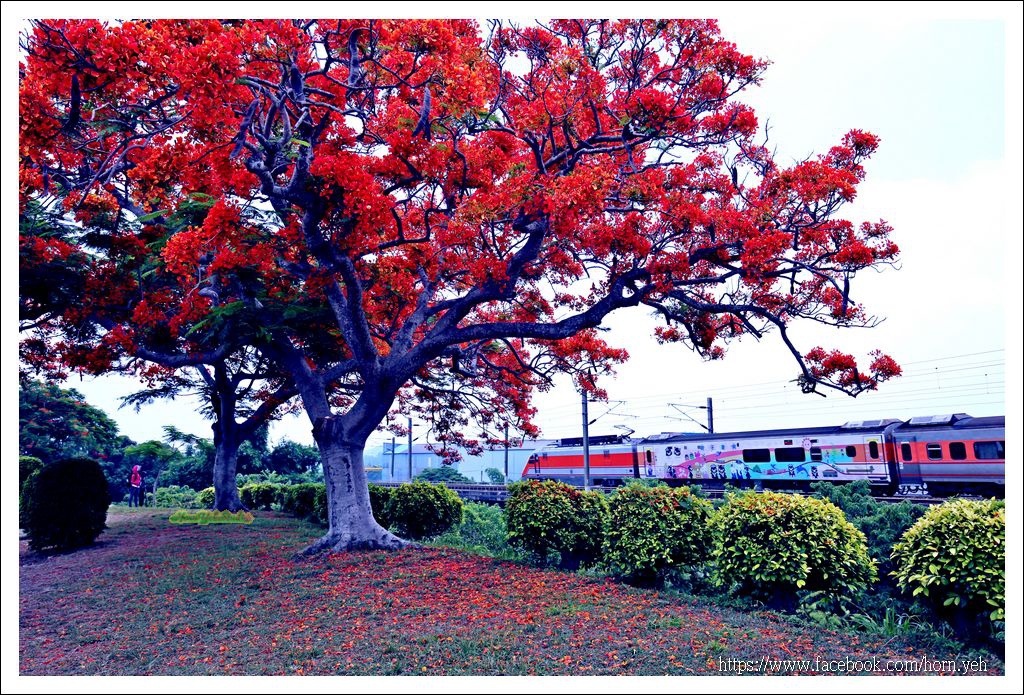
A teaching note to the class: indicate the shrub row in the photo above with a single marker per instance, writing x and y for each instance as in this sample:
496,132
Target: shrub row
769,545
417,510
177,497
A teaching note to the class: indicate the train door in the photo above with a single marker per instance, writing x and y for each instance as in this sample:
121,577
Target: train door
875,466
909,462
648,463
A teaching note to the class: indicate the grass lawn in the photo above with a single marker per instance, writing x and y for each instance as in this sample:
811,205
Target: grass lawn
156,598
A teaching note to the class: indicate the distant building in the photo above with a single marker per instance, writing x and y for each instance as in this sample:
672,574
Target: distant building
379,460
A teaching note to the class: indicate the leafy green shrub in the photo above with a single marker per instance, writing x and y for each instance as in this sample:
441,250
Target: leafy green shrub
206,498
652,530
261,495
27,467
306,501
482,531
442,474
420,510
66,504
552,516
495,476
881,522
176,497
379,497
955,556
773,544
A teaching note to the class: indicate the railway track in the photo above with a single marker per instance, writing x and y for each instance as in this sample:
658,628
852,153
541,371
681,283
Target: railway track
497,494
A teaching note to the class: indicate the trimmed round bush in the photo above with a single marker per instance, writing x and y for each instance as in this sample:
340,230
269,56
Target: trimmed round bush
421,510
652,530
546,516
773,544
206,498
66,504
261,495
955,557
379,497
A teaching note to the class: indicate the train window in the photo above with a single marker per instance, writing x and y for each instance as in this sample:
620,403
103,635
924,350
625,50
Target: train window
906,451
851,451
873,449
934,451
757,456
790,454
957,451
989,450
649,455
816,453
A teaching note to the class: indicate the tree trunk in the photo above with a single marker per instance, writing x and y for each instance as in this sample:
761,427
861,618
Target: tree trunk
350,518
225,487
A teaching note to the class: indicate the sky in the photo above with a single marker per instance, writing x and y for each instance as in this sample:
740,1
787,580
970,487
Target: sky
934,90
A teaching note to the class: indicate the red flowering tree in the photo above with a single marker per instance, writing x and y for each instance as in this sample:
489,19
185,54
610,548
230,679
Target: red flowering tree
92,301
456,207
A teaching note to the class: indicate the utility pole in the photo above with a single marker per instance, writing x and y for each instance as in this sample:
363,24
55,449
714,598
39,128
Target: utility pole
410,449
506,452
392,457
681,409
586,442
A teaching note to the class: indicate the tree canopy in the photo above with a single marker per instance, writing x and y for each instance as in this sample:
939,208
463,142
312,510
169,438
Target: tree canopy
56,423
425,216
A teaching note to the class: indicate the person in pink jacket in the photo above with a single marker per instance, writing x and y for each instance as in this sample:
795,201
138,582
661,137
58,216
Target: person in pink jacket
135,487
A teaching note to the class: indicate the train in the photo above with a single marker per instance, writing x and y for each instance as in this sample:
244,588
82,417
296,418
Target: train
938,455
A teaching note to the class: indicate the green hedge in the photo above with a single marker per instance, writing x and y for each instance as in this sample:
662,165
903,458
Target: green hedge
955,557
262,495
772,545
306,501
379,498
653,530
176,497
551,516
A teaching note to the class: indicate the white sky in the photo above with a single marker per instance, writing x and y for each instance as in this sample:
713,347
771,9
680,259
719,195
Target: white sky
933,90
